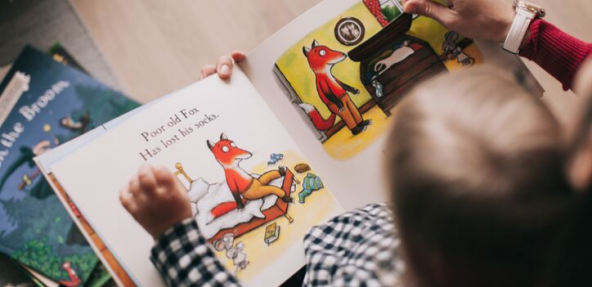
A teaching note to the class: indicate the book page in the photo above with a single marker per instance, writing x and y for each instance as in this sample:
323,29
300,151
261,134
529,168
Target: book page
199,133
335,76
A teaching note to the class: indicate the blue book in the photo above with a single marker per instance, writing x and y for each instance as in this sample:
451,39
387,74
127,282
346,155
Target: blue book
43,104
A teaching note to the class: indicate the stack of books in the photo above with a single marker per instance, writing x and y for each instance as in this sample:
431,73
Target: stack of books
46,99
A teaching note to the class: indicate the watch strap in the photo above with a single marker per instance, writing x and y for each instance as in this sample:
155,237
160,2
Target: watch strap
518,30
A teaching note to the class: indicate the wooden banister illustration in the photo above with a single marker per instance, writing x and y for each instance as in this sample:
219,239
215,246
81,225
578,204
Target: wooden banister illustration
181,170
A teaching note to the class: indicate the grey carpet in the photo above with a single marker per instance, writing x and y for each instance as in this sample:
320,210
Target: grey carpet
42,23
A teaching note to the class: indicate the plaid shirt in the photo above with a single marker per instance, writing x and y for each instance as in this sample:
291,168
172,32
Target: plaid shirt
358,248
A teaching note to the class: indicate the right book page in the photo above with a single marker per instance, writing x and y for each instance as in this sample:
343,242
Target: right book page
340,71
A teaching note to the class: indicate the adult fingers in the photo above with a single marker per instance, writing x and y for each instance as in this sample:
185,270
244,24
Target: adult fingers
430,9
224,67
207,71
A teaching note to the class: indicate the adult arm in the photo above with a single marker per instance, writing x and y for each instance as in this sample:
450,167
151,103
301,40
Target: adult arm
558,53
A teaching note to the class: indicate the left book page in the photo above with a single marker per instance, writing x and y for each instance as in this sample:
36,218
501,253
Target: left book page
43,104
205,133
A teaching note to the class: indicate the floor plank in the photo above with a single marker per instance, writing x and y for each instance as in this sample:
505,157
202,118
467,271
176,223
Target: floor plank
155,47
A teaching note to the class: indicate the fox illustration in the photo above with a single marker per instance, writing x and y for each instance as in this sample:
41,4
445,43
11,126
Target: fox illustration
332,91
240,182
74,279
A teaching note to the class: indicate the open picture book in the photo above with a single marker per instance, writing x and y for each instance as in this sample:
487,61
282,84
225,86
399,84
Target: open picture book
305,117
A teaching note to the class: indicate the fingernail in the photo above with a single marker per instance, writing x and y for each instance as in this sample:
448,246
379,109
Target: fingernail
224,70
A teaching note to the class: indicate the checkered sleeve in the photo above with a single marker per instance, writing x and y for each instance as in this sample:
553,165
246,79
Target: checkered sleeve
358,248
184,258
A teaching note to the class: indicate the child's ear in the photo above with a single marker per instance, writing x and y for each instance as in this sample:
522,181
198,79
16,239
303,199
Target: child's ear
579,153
580,170
305,50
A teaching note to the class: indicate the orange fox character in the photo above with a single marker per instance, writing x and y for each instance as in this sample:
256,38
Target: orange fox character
241,182
74,279
332,91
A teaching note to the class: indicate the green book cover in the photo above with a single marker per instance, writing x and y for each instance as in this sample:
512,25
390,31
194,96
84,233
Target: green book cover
44,103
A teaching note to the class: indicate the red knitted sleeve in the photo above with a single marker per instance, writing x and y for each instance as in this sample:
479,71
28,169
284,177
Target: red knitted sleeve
558,53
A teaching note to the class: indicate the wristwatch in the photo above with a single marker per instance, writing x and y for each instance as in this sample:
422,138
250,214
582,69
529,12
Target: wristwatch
525,13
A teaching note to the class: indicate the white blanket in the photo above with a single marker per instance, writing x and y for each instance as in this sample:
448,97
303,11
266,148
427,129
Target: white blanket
204,197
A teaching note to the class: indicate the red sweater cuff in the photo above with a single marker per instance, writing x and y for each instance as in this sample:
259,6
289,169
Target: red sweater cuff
557,52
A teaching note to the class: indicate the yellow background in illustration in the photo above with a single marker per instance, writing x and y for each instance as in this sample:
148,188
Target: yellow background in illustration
318,208
294,66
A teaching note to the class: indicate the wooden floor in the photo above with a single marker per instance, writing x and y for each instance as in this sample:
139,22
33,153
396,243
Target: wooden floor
155,47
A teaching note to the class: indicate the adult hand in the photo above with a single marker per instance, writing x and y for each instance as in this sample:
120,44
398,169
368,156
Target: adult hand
156,200
488,20
224,66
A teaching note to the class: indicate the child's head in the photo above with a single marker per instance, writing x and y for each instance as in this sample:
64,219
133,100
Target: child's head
476,170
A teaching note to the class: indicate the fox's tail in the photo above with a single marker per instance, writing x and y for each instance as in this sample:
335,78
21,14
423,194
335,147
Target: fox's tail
225,207
318,121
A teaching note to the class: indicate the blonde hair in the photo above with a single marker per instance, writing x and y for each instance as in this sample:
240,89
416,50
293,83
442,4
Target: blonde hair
475,162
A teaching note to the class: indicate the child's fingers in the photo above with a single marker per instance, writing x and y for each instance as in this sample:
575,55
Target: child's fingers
147,180
207,71
224,67
238,56
164,178
134,186
127,200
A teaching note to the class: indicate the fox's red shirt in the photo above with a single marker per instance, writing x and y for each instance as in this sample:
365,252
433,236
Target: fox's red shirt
326,85
236,182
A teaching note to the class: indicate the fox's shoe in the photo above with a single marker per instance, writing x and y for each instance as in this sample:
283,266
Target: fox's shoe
358,129
287,199
366,123
361,127
282,170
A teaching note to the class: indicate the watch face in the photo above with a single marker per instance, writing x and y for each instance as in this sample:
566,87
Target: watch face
349,31
536,9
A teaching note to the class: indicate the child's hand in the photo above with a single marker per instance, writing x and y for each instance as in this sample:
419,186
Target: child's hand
224,66
156,200
488,20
